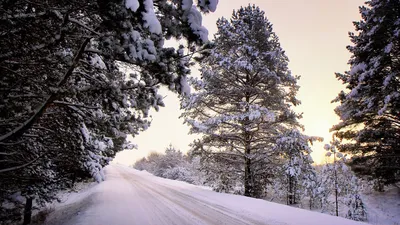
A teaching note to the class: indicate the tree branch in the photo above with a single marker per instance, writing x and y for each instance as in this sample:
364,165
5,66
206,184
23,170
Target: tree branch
76,105
18,132
18,167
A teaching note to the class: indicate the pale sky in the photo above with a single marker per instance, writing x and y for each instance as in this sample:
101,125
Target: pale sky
314,35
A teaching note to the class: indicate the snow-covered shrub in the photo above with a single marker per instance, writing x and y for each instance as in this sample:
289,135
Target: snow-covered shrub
357,210
181,173
171,165
341,187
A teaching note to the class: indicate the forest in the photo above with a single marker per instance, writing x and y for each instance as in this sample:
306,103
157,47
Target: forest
67,103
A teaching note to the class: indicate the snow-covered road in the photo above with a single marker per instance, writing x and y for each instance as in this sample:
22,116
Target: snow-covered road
130,197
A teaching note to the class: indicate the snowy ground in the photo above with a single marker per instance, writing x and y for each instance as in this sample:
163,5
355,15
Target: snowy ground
383,208
129,197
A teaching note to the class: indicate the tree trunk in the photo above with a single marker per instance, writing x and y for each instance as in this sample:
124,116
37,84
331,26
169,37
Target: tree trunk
379,186
73,179
336,201
336,184
248,186
28,211
248,179
291,192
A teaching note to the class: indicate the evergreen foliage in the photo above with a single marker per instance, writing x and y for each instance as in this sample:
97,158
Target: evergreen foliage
338,180
243,103
295,172
76,78
370,107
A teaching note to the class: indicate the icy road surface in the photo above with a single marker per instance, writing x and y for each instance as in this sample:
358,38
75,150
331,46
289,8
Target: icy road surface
130,197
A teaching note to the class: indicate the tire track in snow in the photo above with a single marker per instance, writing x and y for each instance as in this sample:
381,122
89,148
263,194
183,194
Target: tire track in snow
186,206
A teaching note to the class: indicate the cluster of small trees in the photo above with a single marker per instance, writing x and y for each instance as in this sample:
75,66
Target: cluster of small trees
172,164
330,188
339,183
65,105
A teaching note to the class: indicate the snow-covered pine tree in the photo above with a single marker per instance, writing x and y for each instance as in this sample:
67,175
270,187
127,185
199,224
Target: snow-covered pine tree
66,100
370,107
338,180
331,171
243,101
356,208
313,189
296,171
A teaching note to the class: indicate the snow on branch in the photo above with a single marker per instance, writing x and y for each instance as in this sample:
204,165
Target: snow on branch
18,131
132,5
150,18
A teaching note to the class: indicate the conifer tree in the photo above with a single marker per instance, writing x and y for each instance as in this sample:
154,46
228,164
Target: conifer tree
370,106
243,102
296,170
338,180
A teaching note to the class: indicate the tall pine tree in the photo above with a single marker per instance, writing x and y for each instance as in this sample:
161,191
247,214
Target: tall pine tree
370,107
243,101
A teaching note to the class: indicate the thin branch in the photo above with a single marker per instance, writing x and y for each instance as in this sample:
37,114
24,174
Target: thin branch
31,135
76,110
84,26
13,143
19,167
43,128
6,153
76,105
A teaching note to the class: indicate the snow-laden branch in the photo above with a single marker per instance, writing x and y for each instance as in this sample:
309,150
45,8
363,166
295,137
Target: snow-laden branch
18,131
